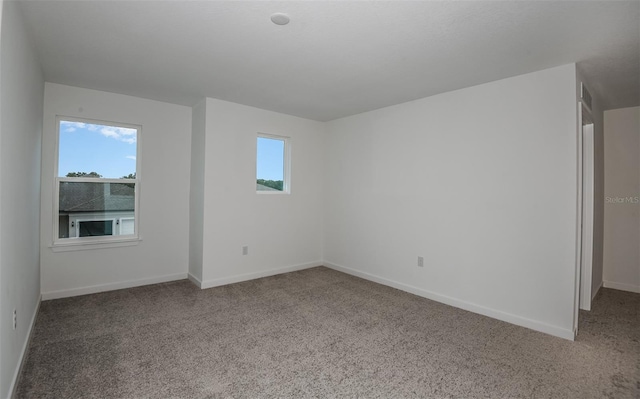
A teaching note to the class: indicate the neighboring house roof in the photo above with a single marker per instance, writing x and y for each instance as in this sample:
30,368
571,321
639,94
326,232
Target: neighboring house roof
261,187
96,197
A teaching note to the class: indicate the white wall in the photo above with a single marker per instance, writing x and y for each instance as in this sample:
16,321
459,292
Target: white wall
164,200
283,231
196,195
20,140
622,199
481,182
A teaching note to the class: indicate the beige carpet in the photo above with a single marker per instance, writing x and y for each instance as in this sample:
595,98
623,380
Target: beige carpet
318,333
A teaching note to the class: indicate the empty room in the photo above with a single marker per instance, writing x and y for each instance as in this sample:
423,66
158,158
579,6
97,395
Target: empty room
371,199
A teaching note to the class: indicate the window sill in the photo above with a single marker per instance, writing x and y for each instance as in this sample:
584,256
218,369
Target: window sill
74,245
273,192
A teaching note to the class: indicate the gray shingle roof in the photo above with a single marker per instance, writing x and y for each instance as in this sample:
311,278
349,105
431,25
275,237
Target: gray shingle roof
96,197
262,187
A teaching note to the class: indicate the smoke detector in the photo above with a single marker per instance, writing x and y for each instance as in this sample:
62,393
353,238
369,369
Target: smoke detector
280,18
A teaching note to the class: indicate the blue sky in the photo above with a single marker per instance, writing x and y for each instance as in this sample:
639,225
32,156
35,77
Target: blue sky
270,161
111,151
107,150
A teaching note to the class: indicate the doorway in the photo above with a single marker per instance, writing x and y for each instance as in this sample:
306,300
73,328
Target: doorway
584,216
586,131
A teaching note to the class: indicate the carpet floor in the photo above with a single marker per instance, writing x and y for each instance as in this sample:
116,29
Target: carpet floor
318,333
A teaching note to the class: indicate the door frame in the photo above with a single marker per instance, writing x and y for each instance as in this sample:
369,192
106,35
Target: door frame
588,170
584,216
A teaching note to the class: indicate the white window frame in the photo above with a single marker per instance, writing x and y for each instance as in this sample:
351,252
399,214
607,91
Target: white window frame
116,218
286,184
80,243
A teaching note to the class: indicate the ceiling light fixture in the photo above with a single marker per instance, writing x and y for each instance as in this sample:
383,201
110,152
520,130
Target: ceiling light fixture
280,18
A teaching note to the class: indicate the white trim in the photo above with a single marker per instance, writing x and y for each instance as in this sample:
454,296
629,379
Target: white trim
252,276
621,286
587,133
95,180
595,292
78,244
23,353
268,192
195,280
286,173
471,307
578,231
111,286
91,241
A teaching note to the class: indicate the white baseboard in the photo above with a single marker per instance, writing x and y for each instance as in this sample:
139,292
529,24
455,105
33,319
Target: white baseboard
471,307
23,353
252,276
195,280
595,292
622,286
111,286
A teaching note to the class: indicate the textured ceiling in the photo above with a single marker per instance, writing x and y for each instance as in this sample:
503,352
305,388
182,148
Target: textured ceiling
335,58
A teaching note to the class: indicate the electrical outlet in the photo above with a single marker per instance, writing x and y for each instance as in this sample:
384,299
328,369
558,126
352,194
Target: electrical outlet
15,319
420,261
245,250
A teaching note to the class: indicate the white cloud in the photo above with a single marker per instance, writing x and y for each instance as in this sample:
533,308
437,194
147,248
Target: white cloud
123,134
131,157
120,133
70,127
109,132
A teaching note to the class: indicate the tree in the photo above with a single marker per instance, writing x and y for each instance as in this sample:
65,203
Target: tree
129,176
276,184
84,174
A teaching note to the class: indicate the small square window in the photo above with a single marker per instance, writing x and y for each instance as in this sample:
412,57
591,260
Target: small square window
272,164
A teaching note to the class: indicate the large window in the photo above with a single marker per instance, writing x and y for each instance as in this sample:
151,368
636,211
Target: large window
97,181
272,164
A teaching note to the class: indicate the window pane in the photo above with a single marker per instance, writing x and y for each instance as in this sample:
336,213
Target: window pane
126,226
95,228
90,209
93,150
270,164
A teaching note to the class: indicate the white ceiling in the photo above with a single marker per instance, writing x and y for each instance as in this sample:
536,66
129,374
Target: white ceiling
335,58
